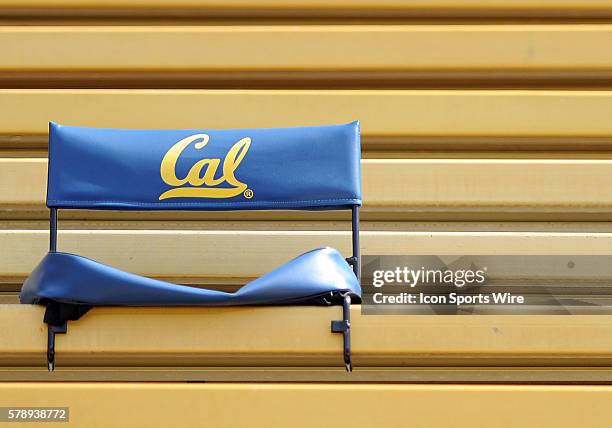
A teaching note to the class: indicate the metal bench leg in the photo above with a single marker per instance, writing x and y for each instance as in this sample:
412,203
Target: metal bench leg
57,316
344,326
52,330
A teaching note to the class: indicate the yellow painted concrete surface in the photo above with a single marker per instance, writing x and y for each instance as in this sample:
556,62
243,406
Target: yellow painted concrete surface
420,184
303,405
459,8
300,336
383,113
174,253
341,48
471,110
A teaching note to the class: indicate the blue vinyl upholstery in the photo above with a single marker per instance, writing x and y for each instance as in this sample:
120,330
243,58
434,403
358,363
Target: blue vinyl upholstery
69,278
308,168
240,169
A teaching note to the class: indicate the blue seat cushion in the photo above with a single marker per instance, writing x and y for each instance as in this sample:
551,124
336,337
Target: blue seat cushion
69,278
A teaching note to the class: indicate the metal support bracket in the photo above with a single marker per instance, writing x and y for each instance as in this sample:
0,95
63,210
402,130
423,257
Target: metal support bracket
52,330
344,326
351,260
56,317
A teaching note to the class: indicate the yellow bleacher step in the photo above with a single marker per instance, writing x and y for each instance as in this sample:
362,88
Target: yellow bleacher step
306,405
421,184
300,336
215,254
314,8
537,114
417,51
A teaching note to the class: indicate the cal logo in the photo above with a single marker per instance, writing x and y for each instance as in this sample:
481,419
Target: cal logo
202,181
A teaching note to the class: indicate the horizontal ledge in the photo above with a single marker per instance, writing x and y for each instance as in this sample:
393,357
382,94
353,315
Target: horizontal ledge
282,221
353,48
447,375
472,79
300,336
408,146
383,113
235,404
90,219
425,185
306,8
173,254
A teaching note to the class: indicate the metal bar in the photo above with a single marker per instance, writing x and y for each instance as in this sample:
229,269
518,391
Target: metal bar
346,315
52,330
53,230
356,254
344,326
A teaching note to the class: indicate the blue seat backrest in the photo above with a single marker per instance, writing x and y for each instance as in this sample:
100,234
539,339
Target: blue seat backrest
307,168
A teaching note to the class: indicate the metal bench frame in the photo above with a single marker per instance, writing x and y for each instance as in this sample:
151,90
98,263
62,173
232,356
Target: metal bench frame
58,314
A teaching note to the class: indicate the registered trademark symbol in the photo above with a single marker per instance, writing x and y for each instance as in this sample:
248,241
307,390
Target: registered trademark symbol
248,193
